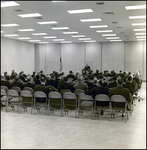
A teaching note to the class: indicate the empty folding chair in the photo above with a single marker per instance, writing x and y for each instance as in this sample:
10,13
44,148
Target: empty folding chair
4,98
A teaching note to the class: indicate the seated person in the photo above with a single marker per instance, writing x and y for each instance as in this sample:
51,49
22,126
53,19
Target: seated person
37,79
5,82
30,83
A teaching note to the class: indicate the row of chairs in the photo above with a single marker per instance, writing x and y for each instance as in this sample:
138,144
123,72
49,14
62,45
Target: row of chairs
66,100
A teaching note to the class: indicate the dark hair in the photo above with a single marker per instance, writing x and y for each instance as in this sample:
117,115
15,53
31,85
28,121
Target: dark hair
119,81
129,78
65,78
37,76
42,79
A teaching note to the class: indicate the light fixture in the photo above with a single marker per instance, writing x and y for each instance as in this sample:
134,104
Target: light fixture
90,20
12,35
34,40
9,25
104,31
9,4
84,38
70,32
43,42
137,17
135,7
80,11
100,26
138,24
112,38
50,37
140,37
23,30
140,33
24,38
139,29
39,33
30,15
60,28
58,39
115,40
66,42
78,36
90,41
47,22
108,34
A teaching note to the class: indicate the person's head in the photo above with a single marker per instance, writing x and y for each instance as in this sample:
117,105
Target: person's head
119,82
37,77
130,78
65,79
42,80
17,77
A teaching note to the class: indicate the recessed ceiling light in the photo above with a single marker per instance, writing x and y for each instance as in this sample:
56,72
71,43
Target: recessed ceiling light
140,33
24,38
137,17
39,33
84,38
90,20
43,42
140,37
90,41
115,40
104,31
108,34
78,36
9,4
70,32
47,22
138,24
66,42
100,26
139,29
12,35
23,30
50,37
30,15
135,7
60,28
58,1
58,39
34,40
80,11
9,25
112,38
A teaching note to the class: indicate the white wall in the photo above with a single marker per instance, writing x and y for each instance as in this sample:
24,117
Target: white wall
17,55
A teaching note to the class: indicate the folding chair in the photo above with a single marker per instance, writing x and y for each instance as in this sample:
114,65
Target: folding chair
4,97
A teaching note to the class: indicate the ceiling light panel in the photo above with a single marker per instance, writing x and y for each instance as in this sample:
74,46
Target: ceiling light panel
112,38
34,40
58,39
24,38
66,42
30,15
23,30
139,29
9,4
140,33
104,31
135,7
84,38
138,24
108,34
70,32
137,17
115,40
141,37
90,41
43,42
100,26
39,33
90,20
78,36
50,37
9,25
60,28
80,11
48,22
12,35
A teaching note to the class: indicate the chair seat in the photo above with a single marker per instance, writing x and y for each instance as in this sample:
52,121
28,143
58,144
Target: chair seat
3,99
87,104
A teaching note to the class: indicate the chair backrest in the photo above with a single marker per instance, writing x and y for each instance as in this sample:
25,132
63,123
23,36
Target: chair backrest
25,93
29,89
69,95
4,88
39,94
55,95
102,97
64,90
118,98
12,92
3,92
84,96
16,88
78,91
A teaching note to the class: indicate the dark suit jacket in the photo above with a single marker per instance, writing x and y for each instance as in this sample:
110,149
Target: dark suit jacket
112,84
5,83
66,86
28,84
128,86
52,82
17,83
120,91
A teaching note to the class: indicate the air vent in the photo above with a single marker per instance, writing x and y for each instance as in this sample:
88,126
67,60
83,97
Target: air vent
18,10
114,22
100,3
37,18
108,13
